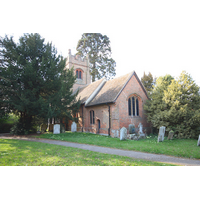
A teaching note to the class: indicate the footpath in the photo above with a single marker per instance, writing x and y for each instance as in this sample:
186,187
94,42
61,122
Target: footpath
120,152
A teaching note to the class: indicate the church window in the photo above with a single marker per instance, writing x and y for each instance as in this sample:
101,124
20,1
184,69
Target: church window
133,106
92,117
79,74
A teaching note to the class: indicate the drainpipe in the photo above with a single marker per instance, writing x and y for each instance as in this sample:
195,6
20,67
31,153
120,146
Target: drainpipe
109,120
82,119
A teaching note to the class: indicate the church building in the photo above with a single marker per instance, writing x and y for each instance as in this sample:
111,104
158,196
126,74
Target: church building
108,105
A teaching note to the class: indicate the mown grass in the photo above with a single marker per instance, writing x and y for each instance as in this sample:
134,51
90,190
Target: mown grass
177,147
27,153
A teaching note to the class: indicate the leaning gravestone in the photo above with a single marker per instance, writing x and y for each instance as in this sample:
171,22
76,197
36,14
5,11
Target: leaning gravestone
123,133
73,127
56,129
171,134
198,142
161,134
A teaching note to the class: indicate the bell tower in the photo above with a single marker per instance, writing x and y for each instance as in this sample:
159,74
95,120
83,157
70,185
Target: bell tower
81,69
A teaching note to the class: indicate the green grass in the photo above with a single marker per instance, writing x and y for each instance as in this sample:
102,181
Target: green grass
177,147
27,153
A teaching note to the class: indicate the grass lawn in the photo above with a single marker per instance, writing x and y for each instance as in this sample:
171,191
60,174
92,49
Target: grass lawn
177,147
27,153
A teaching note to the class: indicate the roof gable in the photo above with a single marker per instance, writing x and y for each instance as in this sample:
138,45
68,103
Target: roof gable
102,91
111,90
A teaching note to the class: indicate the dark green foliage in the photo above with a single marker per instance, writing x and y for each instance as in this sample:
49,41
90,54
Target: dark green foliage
97,47
34,83
176,105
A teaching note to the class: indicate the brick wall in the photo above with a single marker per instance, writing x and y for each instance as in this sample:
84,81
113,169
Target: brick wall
120,115
118,111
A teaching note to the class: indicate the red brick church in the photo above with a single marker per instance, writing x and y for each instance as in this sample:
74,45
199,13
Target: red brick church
107,106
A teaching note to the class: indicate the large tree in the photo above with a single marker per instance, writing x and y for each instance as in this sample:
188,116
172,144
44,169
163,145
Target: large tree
176,105
147,81
97,47
33,81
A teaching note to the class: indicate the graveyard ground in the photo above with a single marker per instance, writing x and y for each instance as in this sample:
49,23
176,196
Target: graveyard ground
26,153
186,148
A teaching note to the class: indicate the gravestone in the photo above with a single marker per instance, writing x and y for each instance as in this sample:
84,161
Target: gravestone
161,134
73,127
50,128
56,129
131,128
171,134
140,132
198,142
123,133
43,127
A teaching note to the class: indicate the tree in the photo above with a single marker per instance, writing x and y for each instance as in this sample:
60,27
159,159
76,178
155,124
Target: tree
177,106
33,81
97,47
147,81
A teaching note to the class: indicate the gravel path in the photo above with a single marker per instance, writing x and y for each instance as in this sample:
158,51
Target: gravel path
120,152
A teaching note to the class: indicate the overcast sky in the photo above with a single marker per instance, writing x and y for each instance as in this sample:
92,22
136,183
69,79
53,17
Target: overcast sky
161,37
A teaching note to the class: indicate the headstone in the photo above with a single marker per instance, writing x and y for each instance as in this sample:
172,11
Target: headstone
161,134
56,129
73,127
198,142
141,134
62,128
140,126
50,128
43,127
123,133
131,128
171,134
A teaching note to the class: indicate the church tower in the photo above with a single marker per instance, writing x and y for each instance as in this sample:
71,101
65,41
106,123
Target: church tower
81,69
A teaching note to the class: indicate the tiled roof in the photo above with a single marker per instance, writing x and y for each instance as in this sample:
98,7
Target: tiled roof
86,91
110,91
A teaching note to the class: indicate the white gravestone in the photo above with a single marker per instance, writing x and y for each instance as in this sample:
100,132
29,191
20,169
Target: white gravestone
161,134
123,133
141,134
56,129
73,127
198,142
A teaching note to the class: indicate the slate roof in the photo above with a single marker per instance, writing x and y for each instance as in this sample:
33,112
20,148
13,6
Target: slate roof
110,90
86,91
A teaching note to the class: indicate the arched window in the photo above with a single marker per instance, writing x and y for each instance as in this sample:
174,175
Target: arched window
92,117
78,74
133,106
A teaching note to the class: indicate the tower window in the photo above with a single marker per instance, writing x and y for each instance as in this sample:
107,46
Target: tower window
133,106
79,74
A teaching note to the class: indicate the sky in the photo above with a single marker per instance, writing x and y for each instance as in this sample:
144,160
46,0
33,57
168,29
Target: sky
161,37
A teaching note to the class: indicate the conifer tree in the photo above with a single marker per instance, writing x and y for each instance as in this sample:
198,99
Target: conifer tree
97,47
147,81
34,83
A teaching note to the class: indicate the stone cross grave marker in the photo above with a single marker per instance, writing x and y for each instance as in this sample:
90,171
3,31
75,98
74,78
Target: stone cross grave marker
73,127
56,129
161,134
123,133
198,142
